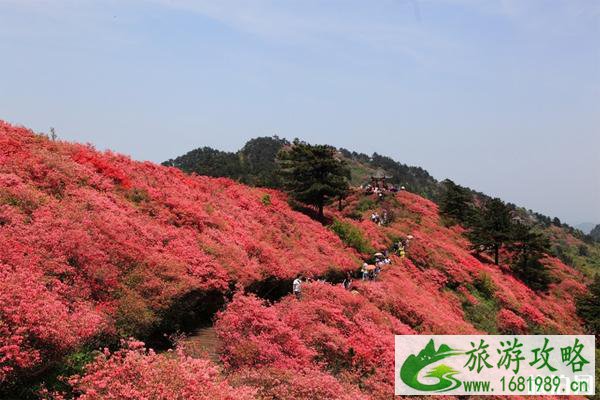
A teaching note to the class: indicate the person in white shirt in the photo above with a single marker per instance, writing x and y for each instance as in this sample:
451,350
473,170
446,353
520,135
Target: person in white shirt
297,287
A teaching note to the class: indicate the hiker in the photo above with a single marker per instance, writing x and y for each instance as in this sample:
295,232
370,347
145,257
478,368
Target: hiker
401,252
385,217
297,287
364,271
347,281
377,269
375,218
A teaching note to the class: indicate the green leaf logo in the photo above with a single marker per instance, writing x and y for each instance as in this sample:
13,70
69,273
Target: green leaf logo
409,373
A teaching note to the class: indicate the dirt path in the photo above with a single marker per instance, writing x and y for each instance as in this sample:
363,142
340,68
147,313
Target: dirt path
203,343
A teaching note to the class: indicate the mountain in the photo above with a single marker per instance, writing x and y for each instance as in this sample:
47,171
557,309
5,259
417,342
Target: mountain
586,227
255,164
104,257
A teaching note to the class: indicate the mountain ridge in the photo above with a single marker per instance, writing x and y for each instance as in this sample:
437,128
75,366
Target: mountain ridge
206,160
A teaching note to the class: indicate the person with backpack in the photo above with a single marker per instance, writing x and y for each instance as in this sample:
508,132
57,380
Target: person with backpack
297,287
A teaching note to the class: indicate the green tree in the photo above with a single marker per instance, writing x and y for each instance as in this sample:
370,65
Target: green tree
595,233
588,306
210,162
258,160
456,202
527,248
312,174
491,228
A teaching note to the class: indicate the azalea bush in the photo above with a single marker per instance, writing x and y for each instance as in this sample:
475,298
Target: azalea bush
97,245
137,373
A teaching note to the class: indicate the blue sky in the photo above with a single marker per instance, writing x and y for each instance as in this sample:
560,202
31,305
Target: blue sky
502,96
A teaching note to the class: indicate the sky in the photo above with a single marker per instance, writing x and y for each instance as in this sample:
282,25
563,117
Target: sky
501,96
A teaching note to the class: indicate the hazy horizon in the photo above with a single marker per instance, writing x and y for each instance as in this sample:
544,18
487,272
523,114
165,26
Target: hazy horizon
500,96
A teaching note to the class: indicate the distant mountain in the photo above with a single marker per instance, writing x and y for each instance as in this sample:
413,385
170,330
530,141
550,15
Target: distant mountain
586,227
255,165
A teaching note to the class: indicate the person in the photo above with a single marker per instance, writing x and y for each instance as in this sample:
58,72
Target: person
297,287
375,218
364,271
347,281
401,251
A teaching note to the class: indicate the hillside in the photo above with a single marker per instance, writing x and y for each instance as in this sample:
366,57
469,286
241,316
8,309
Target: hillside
244,167
103,252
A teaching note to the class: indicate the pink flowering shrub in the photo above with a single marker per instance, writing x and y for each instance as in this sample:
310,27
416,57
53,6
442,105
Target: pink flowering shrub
341,334
136,373
253,335
284,384
510,323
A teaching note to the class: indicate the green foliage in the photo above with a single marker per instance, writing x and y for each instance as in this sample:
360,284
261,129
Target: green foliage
494,229
266,199
210,162
588,307
483,314
595,233
137,195
254,164
456,202
532,272
484,285
352,236
258,161
416,179
583,250
364,204
528,247
312,174
355,215
491,227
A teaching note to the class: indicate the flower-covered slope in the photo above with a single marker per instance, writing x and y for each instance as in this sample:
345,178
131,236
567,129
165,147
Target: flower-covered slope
96,246
438,288
442,272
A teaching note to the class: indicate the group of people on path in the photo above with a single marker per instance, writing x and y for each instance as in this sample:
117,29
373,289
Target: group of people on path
371,271
382,219
367,271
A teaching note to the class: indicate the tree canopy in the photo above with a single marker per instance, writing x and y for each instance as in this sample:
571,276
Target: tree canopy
313,174
456,202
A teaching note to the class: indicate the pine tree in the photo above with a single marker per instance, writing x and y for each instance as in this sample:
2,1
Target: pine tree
588,307
312,174
456,202
491,228
528,248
